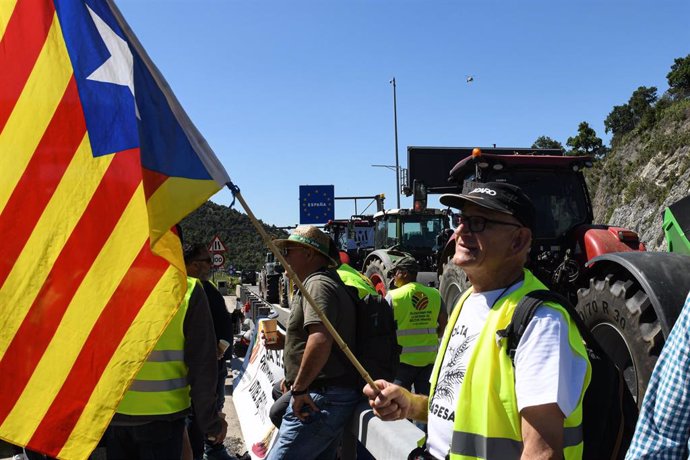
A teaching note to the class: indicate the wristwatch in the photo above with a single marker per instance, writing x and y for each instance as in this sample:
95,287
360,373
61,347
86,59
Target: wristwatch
300,392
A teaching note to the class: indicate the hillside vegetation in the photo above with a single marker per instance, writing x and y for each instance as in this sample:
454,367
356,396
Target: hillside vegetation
245,249
646,170
647,166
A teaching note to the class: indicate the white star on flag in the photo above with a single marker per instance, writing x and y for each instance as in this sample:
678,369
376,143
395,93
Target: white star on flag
118,69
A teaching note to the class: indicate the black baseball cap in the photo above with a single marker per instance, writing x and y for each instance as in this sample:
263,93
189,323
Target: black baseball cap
497,196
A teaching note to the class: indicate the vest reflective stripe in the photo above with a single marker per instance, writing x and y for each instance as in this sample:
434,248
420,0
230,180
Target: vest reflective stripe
161,386
416,332
160,356
487,422
474,445
425,349
158,385
416,308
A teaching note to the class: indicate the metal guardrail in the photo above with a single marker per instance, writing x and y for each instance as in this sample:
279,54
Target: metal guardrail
258,306
384,440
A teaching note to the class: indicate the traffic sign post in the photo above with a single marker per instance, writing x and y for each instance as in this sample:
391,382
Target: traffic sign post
216,246
217,260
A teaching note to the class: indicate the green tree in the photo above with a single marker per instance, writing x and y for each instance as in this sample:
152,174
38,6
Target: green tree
639,111
641,105
620,120
586,142
545,142
679,78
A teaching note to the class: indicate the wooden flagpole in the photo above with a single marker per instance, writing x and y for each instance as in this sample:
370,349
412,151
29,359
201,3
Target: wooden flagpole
274,249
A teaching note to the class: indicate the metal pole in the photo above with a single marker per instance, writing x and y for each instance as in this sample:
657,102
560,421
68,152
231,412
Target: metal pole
397,164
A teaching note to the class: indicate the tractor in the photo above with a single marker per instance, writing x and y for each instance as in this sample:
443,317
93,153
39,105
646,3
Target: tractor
627,296
270,279
419,232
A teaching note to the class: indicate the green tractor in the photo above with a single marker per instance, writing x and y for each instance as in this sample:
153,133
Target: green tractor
419,232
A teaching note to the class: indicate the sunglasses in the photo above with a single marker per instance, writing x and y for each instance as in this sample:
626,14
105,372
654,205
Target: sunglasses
208,260
477,224
286,250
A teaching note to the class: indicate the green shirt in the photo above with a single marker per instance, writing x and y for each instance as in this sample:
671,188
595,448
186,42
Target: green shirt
331,298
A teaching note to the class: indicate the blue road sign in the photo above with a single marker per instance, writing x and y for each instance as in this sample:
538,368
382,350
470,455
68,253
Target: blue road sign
316,204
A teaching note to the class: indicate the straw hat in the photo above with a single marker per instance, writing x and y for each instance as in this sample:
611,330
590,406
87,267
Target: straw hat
310,237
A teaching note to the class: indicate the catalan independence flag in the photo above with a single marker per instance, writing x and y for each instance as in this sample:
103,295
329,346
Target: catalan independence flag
97,162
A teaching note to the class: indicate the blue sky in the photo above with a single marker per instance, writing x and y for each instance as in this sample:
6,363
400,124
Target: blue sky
296,92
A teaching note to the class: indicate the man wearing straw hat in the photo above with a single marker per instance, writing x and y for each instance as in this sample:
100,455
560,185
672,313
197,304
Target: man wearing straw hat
323,383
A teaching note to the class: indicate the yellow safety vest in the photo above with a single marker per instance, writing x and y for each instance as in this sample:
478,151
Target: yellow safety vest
416,308
487,422
353,278
161,385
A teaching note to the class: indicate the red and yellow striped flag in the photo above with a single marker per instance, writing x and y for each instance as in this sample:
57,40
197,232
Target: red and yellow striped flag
97,162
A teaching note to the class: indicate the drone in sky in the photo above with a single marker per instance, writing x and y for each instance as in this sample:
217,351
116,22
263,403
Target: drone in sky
469,78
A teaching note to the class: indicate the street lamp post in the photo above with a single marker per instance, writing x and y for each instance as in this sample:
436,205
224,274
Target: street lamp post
397,163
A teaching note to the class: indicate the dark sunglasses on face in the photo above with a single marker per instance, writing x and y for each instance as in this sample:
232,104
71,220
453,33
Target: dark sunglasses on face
208,260
477,224
286,250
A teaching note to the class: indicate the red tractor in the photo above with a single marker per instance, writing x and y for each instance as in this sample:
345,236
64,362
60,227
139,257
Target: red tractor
629,298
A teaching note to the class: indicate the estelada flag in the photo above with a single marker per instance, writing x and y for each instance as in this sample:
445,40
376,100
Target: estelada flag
97,162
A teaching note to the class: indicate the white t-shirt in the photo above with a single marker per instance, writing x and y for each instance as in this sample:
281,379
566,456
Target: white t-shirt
546,370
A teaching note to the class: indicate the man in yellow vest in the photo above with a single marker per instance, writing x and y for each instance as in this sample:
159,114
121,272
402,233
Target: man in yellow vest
481,405
421,318
180,371
198,262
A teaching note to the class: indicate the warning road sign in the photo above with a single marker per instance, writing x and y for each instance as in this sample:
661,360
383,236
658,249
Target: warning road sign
216,245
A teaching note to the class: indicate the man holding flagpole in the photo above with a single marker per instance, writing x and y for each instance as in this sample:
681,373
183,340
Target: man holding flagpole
323,384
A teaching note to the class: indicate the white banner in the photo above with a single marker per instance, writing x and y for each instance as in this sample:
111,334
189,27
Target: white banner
252,395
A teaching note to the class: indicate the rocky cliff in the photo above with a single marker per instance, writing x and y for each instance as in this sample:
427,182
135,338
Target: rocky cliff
645,171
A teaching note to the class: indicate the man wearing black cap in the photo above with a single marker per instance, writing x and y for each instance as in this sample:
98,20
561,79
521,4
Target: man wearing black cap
482,404
421,318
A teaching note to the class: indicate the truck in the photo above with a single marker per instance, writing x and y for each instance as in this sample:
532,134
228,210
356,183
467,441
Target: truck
354,237
248,276
628,297
269,279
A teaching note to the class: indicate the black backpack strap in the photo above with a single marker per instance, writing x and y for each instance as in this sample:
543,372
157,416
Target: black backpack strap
523,314
525,311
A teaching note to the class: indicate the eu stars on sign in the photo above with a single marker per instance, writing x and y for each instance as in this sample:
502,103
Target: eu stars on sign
316,204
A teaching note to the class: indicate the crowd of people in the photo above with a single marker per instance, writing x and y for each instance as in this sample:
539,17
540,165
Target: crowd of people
454,379
473,399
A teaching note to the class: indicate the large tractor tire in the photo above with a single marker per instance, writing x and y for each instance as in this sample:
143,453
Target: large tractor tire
452,283
272,286
376,273
284,292
621,317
